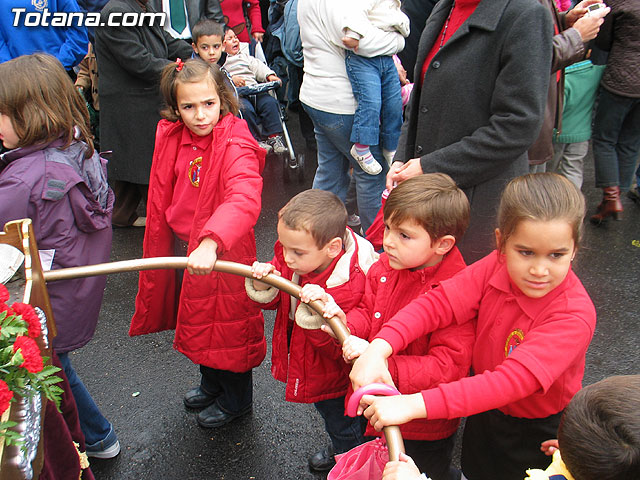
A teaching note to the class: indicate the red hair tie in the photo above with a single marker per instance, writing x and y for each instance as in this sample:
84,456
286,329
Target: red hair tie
179,64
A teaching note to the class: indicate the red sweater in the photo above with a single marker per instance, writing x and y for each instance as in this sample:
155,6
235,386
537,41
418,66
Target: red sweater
529,355
216,326
440,357
310,361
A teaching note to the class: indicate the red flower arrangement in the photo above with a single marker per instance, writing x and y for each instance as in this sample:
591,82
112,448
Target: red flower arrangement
22,367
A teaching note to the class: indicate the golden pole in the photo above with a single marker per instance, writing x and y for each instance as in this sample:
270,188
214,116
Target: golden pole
391,433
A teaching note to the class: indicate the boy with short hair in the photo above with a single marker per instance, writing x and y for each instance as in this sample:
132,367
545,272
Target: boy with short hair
246,70
314,245
424,217
207,40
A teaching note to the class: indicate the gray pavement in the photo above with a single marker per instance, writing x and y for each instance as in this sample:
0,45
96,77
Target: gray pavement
139,382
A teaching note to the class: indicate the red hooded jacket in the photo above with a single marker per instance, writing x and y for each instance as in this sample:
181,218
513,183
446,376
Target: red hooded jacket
217,325
310,361
440,357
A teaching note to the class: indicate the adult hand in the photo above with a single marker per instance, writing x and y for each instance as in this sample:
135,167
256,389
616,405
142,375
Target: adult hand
578,12
371,366
399,172
588,26
403,469
258,36
393,410
202,259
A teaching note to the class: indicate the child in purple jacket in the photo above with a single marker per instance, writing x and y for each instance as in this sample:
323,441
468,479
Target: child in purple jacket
52,175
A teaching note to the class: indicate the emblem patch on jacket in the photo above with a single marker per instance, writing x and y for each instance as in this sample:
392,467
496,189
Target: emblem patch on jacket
194,171
514,339
40,5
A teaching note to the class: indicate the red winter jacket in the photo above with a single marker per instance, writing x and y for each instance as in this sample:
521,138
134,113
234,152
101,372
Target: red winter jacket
216,325
311,363
233,11
440,357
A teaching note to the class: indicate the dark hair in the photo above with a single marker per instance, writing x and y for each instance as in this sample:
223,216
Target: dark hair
192,71
206,27
37,94
317,212
599,434
433,201
540,197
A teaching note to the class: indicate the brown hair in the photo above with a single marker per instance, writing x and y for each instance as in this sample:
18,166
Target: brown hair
599,434
37,94
194,70
317,212
206,27
433,201
540,197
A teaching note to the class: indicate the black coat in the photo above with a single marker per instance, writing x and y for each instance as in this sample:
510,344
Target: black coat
130,63
481,105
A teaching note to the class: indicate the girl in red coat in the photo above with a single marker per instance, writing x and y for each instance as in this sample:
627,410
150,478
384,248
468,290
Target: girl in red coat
533,319
204,199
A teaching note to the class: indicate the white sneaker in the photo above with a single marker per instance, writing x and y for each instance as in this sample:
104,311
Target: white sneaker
277,144
372,167
108,452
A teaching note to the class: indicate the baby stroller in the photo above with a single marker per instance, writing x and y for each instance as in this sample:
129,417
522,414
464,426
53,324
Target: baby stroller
292,164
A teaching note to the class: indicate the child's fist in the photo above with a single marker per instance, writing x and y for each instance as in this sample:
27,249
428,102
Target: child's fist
311,292
260,270
353,347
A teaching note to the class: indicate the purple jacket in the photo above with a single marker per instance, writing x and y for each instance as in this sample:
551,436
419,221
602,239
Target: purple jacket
70,203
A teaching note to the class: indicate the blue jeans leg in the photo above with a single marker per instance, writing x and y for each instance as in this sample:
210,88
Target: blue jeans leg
616,139
250,116
93,424
345,432
334,161
364,75
391,113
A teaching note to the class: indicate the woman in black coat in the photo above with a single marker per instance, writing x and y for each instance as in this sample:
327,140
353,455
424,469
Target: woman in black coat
130,62
480,105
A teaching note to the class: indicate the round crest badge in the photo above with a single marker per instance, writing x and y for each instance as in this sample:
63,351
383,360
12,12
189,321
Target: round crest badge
514,339
40,5
194,171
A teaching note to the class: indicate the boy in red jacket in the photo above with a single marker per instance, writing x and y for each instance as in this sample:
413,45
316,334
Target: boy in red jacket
314,246
424,217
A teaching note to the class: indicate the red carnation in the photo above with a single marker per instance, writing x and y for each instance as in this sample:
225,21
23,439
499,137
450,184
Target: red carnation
28,315
5,396
30,352
4,294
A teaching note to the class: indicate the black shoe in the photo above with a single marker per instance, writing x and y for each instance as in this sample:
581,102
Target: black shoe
634,195
196,399
213,416
322,461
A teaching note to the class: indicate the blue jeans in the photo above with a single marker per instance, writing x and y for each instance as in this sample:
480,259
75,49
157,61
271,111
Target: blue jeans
94,426
376,86
334,161
345,432
616,139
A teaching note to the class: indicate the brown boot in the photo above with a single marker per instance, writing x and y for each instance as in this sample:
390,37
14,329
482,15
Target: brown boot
610,206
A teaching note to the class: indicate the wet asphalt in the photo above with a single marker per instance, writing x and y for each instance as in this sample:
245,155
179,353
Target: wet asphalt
139,382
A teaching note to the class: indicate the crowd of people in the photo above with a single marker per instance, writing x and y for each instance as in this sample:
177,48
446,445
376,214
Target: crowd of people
475,241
